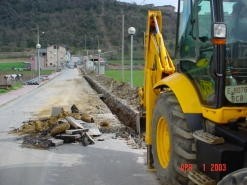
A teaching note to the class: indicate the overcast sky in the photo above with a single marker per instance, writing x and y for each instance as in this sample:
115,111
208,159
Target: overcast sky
155,2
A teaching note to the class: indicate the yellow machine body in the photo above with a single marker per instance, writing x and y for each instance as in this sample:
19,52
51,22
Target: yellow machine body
160,73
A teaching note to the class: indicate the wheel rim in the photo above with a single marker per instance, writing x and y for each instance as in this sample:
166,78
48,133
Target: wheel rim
163,142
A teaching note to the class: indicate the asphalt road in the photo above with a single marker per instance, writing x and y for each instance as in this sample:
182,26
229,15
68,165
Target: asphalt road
110,162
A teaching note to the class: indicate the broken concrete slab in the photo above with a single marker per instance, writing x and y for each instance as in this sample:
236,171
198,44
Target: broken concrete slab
76,131
68,138
35,142
56,142
74,122
93,129
56,111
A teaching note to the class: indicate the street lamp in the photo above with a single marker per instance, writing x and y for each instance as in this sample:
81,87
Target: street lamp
55,61
131,31
99,51
38,46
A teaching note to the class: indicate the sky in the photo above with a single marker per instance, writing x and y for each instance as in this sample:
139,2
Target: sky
155,2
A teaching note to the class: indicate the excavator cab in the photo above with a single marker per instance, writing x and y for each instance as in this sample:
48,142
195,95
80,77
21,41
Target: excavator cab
196,112
214,63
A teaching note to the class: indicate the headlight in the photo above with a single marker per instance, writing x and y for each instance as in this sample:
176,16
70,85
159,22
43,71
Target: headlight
220,30
219,33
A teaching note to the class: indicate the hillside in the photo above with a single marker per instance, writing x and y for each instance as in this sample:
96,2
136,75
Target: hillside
78,24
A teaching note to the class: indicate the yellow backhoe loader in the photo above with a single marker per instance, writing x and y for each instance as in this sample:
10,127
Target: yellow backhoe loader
195,106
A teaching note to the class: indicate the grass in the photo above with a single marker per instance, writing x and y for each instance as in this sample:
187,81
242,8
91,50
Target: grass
16,85
6,68
138,76
10,65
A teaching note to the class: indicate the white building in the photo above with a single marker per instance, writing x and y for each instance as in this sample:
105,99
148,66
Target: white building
56,56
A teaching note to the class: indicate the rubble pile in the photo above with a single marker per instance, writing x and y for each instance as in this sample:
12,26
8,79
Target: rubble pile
62,127
135,141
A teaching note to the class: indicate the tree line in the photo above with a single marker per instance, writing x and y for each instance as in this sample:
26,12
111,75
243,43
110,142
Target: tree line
75,23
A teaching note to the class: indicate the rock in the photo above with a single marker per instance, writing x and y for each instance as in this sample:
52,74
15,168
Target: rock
104,124
76,115
87,139
52,121
60,115
101,139
87,118
65,113
74,109
61,128
38,126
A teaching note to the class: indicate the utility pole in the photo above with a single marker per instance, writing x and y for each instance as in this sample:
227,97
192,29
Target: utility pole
37,35
86,47
122,47
85,43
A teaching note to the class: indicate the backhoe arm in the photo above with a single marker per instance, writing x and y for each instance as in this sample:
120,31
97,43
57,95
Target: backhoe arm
158,65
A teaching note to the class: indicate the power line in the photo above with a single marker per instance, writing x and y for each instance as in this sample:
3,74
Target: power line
142,2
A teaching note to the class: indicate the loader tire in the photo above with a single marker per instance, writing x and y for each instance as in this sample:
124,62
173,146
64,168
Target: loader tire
238,177
172,141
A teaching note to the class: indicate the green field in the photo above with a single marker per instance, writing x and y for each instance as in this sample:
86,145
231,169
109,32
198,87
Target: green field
10,65
6,68
138,76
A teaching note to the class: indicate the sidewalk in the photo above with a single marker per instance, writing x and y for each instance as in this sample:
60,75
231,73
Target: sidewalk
12,95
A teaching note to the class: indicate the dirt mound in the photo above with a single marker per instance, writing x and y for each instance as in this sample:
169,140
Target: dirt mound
121,90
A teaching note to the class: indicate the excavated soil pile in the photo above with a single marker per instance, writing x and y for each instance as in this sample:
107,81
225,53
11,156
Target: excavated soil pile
121,90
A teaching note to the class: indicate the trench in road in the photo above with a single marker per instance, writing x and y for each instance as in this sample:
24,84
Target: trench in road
127,115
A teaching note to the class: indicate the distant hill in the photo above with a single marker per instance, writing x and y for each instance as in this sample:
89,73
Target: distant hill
78,24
